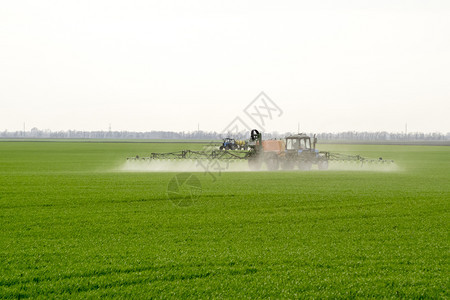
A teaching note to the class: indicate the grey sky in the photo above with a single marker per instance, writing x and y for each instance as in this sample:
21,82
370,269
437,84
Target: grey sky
169,65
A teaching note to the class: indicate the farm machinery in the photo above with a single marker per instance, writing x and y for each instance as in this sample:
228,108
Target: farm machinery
294,151
232,144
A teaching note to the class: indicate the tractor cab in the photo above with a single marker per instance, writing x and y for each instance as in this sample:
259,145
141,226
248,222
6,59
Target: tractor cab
299,143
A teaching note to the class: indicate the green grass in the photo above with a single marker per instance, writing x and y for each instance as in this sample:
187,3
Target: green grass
71,226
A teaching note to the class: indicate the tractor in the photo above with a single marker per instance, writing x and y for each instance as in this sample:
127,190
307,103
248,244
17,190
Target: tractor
301,152
293,151
231,144
228,144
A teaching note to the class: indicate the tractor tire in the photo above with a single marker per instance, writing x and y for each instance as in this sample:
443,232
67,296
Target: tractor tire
304,166
323,165
272,163
221,148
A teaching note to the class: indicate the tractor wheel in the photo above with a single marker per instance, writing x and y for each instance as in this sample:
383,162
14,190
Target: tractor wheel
221,148
323,165
272,163
305,165
254,164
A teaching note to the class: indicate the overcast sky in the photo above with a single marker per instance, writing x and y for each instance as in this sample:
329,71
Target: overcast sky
171,65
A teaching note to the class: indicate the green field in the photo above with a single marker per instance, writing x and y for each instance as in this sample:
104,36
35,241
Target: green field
72,225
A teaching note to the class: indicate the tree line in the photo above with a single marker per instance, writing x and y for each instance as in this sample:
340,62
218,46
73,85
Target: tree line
36,133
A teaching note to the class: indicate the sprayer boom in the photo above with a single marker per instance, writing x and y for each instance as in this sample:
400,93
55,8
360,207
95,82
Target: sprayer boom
293,151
